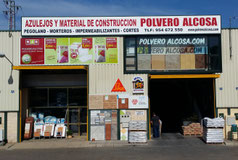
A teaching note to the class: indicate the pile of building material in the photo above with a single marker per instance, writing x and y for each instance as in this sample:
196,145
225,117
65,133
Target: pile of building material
213,130
137,132
215,122
193,129
137,125
213,135
137,137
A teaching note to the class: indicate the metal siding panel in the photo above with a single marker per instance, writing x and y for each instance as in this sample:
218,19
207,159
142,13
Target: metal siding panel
9,93
227,97
106,75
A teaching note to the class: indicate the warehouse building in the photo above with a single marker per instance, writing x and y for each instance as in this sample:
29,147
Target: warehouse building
102,74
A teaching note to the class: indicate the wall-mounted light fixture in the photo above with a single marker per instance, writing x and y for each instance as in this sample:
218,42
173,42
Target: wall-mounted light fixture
4,56
10,80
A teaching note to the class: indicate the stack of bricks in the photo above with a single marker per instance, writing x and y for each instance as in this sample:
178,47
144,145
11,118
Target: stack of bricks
194,129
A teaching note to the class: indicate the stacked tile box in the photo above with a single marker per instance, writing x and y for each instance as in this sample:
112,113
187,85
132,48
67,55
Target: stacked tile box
137,137
137,126
137,132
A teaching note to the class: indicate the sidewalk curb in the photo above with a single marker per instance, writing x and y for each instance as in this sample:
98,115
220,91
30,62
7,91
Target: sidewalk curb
231,143
62,145
7,146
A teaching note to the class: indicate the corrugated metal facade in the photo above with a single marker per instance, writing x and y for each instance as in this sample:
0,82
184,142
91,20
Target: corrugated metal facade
226,85
9,93
103,77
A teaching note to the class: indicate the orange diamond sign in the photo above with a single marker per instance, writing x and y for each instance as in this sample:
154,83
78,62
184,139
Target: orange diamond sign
118,87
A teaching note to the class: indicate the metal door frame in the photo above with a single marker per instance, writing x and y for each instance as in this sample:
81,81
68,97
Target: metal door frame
66,107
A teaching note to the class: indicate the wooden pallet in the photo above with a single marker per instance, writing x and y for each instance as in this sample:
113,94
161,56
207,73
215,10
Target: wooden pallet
200,135
214,143
37,137
138,143
59,137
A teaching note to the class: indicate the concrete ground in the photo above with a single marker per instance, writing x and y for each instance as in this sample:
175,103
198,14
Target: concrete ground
169,146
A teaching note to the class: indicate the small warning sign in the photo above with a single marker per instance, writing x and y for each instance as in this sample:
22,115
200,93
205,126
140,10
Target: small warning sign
118,87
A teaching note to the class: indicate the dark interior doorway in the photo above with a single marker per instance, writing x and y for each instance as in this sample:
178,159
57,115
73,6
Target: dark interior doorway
179,100
58,93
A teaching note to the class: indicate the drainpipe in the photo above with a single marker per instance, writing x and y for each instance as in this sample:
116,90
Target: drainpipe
230,45
5,127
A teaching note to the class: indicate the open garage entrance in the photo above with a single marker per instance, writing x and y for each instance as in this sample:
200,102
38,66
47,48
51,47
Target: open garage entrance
60,95
179,100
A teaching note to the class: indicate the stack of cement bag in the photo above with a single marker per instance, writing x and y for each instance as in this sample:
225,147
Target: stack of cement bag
137,137
137,125
137,132
215,122
213,130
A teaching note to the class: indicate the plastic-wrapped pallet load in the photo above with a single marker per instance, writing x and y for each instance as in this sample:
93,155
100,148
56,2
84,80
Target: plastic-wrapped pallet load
215,122
213,135
213,130
137,132
137,125
137,136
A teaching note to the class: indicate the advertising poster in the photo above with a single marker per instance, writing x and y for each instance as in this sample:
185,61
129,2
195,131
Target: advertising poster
105,50
69,51
32,51
81,50
56,51
138,102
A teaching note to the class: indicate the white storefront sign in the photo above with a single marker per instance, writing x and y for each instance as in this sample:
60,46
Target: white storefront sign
138,102
153,25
